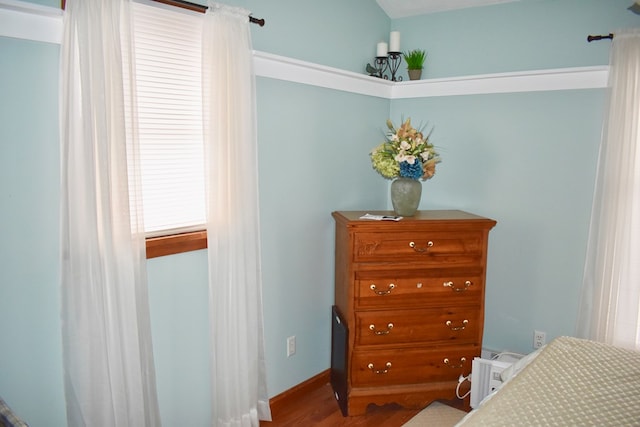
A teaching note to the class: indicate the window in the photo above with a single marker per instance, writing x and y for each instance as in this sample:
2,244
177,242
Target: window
167,44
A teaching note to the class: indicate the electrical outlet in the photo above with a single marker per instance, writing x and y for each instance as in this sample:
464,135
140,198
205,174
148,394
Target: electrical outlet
291,346
539,339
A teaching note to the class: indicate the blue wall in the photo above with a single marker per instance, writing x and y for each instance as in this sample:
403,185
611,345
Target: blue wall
30,340
527,160
524,159
518,36
335,33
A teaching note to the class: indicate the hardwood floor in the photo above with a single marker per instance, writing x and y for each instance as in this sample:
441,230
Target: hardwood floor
318,407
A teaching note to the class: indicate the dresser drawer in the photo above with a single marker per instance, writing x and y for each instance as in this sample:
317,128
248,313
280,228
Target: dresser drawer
453,326
382,291
424,247
409,366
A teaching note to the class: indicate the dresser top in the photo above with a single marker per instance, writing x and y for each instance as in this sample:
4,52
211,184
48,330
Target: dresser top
429,215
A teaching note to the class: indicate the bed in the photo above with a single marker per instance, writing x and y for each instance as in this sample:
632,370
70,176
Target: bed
569,382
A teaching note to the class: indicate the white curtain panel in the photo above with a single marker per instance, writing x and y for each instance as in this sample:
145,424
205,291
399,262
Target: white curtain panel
610,307
239,394
108,362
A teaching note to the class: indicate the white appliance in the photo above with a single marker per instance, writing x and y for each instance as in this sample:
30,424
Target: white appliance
485,378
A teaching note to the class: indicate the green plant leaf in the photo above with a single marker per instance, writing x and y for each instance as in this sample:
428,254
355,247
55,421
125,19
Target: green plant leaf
415,59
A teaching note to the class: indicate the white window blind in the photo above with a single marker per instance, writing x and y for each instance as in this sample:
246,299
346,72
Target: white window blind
167,45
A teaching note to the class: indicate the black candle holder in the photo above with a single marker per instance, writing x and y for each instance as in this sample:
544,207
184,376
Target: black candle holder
386,67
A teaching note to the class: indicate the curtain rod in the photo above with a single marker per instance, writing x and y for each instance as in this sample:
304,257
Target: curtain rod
202,9
187,5
593,38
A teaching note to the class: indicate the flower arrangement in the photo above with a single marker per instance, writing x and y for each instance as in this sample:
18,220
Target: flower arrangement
406,153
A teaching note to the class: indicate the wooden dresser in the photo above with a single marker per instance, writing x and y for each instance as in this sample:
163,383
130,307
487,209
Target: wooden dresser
409,306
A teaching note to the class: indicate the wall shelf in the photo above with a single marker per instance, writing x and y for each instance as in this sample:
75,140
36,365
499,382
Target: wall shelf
283,68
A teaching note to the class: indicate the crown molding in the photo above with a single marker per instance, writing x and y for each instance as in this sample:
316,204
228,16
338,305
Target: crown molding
594,77
30,21
283,68
293,70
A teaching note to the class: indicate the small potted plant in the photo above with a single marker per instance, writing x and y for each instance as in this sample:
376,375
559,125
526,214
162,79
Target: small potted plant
415,62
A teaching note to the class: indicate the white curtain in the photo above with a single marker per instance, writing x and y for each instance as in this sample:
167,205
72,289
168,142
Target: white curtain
233,227
108,362
610,307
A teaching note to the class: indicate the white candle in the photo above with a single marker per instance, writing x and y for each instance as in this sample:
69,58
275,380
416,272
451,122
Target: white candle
394,41
382,49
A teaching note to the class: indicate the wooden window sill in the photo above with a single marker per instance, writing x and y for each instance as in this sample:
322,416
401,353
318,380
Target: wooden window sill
175,244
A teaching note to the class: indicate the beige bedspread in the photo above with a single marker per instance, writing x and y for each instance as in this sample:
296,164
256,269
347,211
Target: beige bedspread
572,382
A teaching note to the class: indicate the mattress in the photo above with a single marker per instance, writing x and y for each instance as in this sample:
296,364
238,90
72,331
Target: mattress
571,382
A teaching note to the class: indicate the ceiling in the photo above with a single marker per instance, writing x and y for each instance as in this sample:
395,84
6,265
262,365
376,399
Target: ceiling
403,8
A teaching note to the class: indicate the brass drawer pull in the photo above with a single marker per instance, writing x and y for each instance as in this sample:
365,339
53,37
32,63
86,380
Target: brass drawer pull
379,371
421,250
465,322
461,365
459,289
373,328
383,292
